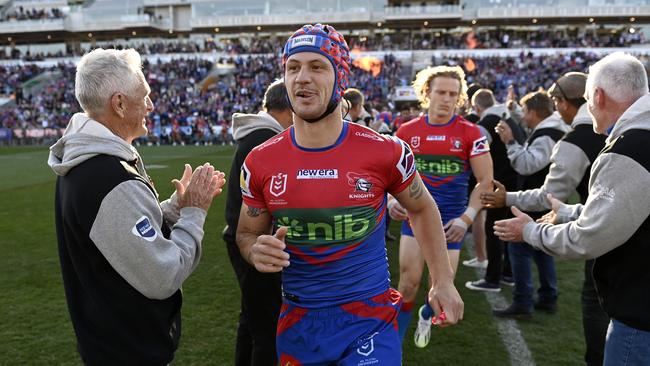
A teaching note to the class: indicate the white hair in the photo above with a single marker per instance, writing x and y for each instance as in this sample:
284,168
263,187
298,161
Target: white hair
102,73
621,75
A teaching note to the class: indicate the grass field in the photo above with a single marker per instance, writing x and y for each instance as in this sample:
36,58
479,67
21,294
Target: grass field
36,329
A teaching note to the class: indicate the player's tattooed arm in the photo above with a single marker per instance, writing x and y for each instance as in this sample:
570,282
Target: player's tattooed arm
415,188
254,211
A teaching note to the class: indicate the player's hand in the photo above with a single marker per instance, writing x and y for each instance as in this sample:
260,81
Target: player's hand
447,304
455,230
496,198
396,211
512,230
504,131
267,254
551,216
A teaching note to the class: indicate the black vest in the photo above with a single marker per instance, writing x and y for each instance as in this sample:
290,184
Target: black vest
503,171
591,143
114,323
621,276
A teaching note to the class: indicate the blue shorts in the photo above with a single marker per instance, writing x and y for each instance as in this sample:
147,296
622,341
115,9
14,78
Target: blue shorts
408,231
357,333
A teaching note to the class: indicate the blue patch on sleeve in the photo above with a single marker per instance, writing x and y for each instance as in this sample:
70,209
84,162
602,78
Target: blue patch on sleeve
144,229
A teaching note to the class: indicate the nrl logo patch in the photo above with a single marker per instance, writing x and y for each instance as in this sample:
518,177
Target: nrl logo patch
278,184
415,142
144,229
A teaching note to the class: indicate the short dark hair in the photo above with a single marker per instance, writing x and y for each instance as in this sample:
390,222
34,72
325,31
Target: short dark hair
540,102
354,96
483,98
275,97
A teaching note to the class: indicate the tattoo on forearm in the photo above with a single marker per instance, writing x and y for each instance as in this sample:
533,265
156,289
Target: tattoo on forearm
415,189
254,211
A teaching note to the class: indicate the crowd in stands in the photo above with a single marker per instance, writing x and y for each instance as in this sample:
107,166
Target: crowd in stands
187,113
497,38
20,13
399,41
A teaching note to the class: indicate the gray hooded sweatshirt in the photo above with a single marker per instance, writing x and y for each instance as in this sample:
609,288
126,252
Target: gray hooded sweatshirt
569,163
528,159
617,205
154,265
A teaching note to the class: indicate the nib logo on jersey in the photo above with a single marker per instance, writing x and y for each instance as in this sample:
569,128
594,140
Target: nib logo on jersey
439,165
326,226
362,186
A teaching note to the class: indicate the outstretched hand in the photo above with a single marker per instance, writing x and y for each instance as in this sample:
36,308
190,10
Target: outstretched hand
551,216
512,230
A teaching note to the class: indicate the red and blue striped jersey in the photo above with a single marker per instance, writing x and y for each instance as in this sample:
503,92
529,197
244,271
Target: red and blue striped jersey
333,201
442,154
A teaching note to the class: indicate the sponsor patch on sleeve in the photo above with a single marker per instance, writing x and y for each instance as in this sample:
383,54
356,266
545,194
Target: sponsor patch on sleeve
245,180
406,163
144,229
480,146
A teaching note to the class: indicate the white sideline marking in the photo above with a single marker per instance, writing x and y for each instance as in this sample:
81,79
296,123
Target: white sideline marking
508,329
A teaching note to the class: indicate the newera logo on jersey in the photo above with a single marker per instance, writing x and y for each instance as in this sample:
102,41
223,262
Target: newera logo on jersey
317,174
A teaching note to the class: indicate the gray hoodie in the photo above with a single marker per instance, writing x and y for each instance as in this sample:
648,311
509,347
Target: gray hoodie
243,124
528,159
617,205
154,265
568,165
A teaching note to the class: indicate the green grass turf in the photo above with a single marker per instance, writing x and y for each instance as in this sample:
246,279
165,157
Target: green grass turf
36,329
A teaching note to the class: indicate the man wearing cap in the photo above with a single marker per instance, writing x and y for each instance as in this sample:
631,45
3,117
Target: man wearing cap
329,202
569,171
613,226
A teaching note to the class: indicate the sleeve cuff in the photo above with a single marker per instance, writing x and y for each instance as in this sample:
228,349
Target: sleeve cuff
195,214
511,199
529,234
564,214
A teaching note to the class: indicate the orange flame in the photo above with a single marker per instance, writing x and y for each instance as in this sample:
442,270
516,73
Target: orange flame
368,63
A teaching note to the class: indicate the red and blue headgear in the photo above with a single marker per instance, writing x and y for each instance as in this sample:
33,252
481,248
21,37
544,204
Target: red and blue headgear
323,39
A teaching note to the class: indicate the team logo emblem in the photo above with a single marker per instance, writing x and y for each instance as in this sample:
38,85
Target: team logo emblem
361,183
415,142
278,184
456,144
144,229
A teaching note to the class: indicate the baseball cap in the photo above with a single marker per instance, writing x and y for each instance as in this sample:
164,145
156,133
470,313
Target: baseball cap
569,86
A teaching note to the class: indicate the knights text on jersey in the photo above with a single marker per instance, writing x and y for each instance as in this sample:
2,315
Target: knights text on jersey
333,201
442,154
